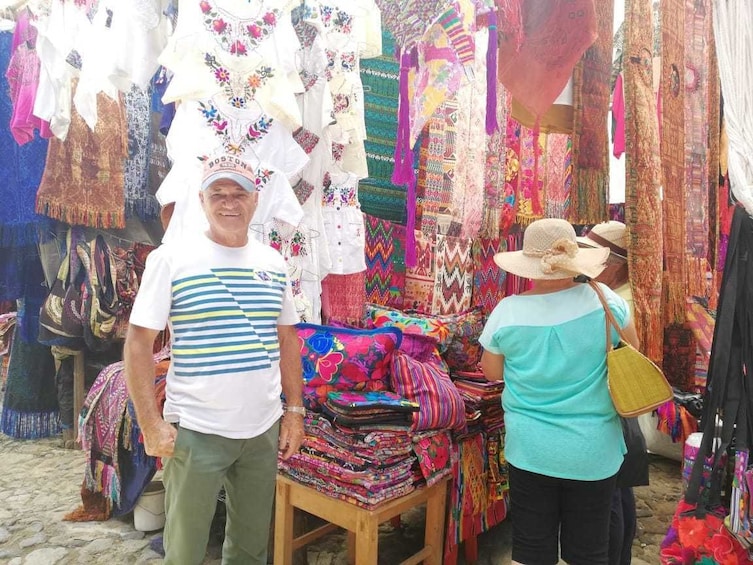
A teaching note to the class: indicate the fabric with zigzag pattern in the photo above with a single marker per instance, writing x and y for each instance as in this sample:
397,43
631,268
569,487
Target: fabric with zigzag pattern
385,262
453,282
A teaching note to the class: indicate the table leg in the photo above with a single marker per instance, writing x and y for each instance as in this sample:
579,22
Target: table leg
283,526
434,533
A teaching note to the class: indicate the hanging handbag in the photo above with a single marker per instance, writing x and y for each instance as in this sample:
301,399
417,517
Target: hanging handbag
61,314
637,386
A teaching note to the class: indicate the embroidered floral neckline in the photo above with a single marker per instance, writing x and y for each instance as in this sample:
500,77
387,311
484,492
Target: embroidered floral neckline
239,90
235,35
255,131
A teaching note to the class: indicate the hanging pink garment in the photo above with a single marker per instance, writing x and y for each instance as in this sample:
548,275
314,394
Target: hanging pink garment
23,79
556,33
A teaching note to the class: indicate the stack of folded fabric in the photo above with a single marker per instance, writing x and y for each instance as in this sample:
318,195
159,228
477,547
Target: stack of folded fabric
364,465
481,396
356,408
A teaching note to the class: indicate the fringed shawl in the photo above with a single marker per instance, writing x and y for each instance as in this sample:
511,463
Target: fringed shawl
643,212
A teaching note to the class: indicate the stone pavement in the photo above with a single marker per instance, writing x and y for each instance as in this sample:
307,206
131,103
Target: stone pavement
40,483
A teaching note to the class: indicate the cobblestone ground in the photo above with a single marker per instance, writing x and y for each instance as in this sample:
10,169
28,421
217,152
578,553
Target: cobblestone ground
40,482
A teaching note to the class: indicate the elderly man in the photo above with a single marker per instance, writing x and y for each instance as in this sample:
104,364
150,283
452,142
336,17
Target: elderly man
228,304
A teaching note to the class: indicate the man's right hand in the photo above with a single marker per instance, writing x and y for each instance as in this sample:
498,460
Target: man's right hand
159,439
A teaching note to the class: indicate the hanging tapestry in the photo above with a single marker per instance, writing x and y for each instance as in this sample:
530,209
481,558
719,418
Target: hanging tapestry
468,193
376,193
20,168
494,170
385,262
419,280
642,201
695,78
431,197
673,158
530,180
453,284
344,298
83,180
590,137
488,278
555,35
556,188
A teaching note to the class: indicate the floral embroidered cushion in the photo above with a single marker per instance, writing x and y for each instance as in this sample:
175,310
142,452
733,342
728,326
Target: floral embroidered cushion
344,359
463,351
428,384
415,324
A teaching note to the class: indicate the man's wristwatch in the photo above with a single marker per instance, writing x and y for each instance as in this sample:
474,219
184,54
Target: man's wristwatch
296,410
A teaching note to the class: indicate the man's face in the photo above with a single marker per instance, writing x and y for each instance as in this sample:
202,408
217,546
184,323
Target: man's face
229,208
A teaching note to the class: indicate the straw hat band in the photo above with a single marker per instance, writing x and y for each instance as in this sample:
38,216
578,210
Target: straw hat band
559,257
604,242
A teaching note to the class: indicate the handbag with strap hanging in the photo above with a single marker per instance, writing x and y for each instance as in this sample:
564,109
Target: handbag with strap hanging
637,386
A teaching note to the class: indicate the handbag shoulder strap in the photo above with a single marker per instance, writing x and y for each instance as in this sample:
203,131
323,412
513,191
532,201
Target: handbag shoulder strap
609,317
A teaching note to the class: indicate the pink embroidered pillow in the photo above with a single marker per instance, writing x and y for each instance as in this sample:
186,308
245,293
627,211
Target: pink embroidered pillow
440,403
345,359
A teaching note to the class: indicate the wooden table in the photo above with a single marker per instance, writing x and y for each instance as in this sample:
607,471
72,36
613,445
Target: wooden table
362,524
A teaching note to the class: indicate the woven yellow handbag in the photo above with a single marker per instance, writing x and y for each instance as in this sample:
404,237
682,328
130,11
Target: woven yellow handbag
636,384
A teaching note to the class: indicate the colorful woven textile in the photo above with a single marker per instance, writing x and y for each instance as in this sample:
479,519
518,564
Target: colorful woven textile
30,406
494,170
376,193
555,35
408,20
385,262
21,170
419,280
343,297
83,180
453,279
590,138
488,278
104,429
556,186
643,211
529,196
434,194
673,157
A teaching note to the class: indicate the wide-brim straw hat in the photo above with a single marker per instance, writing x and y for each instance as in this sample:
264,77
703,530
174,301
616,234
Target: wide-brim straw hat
610,234
550,252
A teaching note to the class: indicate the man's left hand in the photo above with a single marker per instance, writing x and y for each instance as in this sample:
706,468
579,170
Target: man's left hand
291,434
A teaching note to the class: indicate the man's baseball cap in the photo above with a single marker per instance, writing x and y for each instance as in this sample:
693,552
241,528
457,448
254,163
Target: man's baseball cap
231,168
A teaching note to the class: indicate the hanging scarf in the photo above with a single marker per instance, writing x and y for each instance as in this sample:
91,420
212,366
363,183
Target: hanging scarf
454,275
488,278
590,137
555,35
138,200
643,212
673,158
494,169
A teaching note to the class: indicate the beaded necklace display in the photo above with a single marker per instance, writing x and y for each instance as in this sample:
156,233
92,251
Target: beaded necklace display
236,35
238,89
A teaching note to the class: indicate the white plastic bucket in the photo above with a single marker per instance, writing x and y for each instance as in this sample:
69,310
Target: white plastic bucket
149,513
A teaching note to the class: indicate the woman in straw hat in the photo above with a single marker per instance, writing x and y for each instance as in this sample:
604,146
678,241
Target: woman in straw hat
634,469
564,441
